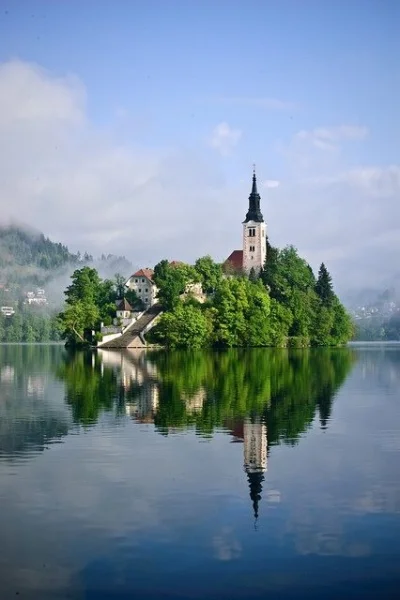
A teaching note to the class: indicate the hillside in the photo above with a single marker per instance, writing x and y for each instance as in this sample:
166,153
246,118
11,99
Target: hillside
28,257
29,260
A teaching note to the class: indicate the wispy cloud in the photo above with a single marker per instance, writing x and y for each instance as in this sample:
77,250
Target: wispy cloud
225,138
377,181
270,183
263,102
328,138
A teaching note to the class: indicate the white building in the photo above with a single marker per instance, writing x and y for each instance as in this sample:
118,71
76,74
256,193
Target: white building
144,287
38,298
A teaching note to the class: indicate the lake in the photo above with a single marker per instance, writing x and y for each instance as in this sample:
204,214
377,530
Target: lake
218,475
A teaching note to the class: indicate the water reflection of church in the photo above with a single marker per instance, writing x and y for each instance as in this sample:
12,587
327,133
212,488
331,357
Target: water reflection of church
252,432
139,376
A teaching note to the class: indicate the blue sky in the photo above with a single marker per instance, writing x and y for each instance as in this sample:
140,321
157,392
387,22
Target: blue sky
307,90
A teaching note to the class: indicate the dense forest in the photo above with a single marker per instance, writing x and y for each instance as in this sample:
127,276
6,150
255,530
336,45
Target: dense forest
29,325
26,255
285,304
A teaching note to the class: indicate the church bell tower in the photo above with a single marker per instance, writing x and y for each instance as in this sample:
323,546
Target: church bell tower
254,233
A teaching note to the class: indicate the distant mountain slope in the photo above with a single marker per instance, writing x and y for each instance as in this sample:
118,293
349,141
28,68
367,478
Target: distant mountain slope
20,248
28,257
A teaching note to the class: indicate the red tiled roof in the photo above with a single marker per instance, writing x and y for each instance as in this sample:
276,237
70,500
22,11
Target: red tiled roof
176,263
236,259
144,273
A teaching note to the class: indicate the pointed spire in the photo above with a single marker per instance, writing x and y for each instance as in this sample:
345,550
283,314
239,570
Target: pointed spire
255,480
254,190
254,212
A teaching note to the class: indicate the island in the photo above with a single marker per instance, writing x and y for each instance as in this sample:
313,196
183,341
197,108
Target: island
259,296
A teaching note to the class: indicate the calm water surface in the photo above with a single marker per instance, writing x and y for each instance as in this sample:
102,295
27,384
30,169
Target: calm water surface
226,475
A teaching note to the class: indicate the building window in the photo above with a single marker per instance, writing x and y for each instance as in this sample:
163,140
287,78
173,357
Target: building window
252,231
252,248
146,299
146,290
140,290
136,280
142,280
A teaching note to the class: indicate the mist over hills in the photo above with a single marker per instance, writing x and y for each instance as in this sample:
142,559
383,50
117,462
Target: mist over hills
28,259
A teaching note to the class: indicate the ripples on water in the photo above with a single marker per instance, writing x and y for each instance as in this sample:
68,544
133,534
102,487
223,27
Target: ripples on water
230,474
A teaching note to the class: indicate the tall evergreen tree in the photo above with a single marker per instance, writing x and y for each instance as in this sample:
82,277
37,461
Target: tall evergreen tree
323,286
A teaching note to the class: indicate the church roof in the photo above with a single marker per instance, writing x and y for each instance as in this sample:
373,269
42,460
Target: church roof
124,305
176,263
236,259
144,273
254,212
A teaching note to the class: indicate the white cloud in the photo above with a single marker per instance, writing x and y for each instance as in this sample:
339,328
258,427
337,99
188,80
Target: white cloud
77,184
224,138
29,95
374,181
270,183
318,151
350,219
329,137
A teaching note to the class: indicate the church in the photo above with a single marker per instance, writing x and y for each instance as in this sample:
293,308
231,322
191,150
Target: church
254,250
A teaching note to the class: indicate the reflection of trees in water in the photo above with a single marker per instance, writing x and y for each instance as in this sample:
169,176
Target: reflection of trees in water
29,416
89,389
260,397
208,390
285,387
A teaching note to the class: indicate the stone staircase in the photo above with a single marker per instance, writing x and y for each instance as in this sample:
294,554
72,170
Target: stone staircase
133,336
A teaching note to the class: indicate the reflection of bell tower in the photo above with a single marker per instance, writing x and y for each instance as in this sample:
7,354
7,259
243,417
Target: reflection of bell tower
255,458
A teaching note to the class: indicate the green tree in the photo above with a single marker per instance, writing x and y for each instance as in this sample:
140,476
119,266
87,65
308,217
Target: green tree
85,286
186,326
323,286
119,285
171,282
76,320
210,273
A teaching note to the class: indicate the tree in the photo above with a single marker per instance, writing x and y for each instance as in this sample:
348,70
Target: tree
171,282
119,285
76,320
210,273
323,286
186,326
85,286
89,300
